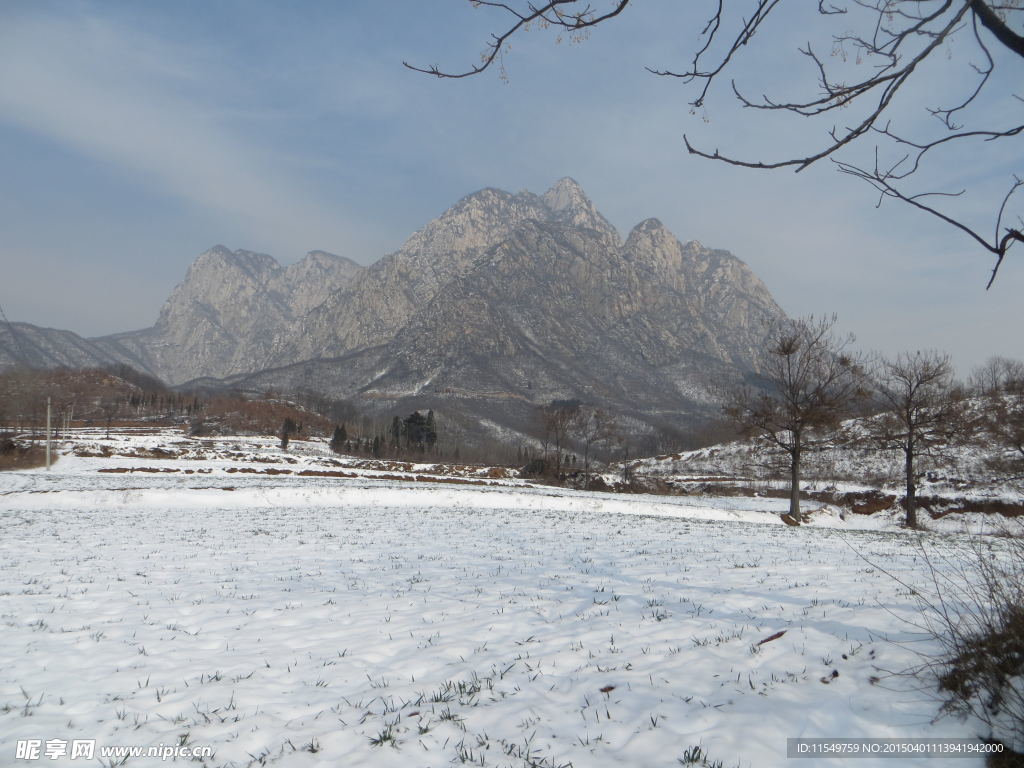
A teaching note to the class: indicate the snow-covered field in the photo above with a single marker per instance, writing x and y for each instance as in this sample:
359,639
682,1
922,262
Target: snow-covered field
312,620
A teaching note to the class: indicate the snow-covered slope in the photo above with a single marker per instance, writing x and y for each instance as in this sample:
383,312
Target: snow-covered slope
317,620
966,475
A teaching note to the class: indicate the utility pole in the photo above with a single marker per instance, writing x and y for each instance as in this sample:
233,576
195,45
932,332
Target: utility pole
47,434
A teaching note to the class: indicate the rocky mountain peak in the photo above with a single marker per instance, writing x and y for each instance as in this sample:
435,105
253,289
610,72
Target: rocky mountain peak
310,281
498,290
648,226
316,262
474,223
217,251
651,235
566,193
319,257
571,207
219,258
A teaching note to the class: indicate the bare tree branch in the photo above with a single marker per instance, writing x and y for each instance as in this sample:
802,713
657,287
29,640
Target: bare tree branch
549,13
997,27
901,38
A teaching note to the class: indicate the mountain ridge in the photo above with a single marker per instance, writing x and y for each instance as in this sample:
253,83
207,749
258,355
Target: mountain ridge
516,299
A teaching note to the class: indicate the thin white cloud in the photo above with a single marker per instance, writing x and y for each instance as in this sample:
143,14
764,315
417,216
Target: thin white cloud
295,138
151,108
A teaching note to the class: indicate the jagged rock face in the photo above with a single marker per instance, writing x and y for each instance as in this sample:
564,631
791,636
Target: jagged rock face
555,308
535,299
230,311
379,302
572,208
505,298
308,283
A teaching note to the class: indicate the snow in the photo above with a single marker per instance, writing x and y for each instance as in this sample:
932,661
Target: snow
948,477
321,621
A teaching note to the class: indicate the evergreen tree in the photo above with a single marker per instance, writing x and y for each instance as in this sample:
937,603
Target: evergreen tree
415,428
338,439
287,427
430,430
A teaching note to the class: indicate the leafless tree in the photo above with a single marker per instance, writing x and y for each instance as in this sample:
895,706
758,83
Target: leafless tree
557,420
923,410
591,426
110,406
892,41
1001,384
813,381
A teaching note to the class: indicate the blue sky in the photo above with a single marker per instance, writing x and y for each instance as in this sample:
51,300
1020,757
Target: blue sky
134,136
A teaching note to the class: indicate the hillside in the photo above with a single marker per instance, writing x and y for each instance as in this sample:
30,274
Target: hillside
849,473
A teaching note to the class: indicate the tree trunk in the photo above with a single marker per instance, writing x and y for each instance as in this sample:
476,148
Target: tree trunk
794,484
911,500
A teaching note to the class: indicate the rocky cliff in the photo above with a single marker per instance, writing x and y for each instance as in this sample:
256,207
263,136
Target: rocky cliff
508,301
503,302
229,312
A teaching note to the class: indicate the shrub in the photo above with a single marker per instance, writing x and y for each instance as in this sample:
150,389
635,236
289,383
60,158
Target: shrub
14,455
974,610
535,468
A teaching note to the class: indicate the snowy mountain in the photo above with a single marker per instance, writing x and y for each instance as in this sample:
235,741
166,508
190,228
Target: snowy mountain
503,302
509,301
227,314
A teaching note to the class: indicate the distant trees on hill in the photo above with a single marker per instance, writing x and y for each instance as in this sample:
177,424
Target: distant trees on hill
92,395
568,428
412,436
107,398
1001,383
909,404
417,430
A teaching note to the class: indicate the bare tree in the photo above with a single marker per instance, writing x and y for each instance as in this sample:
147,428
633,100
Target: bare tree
110,406
557,419
591,426
618,438
1001,383
813,381
923,410
891,41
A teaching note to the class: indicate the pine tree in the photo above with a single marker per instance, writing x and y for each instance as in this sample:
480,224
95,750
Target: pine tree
430,430
287,427
338,439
